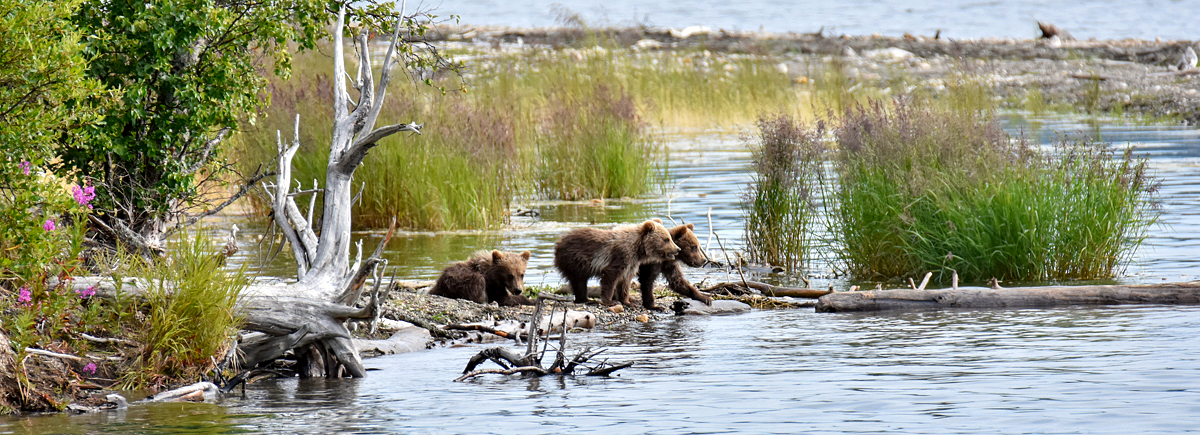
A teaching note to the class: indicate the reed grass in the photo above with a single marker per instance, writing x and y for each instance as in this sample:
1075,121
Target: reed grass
595,146
462,171
925,190
186,316
779,203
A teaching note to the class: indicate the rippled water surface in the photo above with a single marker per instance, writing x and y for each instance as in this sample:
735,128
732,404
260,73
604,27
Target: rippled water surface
1091,370
1096,370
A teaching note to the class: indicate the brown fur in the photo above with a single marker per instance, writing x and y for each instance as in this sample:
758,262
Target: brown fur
613,255
486,277
689,254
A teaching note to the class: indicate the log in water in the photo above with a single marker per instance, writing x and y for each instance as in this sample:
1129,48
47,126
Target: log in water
1019,297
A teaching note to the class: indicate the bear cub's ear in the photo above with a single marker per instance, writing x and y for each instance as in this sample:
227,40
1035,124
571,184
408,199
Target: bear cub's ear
497,256
525,255
648,226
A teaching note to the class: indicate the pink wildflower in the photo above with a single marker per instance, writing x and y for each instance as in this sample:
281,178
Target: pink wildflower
87,292
49,225
24,296
26,166
84,194
90,368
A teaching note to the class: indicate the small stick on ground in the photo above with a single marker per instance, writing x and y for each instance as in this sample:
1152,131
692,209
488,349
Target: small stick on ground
487,329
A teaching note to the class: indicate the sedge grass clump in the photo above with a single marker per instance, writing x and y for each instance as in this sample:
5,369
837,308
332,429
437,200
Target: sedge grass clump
185,317
779,203
460,173
923,190
595,146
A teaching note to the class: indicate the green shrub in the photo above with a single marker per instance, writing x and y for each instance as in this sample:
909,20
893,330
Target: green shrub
41,237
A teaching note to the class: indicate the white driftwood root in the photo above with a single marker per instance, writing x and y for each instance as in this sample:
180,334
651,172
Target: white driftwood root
307,318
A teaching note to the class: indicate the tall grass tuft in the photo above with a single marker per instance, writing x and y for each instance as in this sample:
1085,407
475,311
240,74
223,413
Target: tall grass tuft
779,202
923,190
460,173
595,146
186,316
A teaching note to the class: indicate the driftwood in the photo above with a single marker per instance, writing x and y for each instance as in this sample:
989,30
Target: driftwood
1017,297
737,288
408,339
692,307
529,362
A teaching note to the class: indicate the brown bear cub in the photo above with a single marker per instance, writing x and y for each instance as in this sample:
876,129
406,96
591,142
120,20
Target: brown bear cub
486,277
613,255
689,254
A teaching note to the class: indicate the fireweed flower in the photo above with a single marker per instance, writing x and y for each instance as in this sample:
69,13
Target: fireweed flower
26,166
49,225
24,296
83,194
87,292
90,368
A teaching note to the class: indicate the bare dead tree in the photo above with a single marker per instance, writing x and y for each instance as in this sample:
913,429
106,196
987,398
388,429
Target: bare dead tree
308,317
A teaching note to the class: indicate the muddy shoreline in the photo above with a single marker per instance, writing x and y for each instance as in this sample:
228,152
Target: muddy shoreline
1107,77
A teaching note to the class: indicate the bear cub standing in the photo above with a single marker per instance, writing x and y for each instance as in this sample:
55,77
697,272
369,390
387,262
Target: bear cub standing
486,277
689,254
614,255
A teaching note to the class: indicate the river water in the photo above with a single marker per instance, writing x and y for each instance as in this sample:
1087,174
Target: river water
1070,370
957,19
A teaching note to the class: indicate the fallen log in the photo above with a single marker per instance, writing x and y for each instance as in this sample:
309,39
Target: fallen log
1017,297
767,290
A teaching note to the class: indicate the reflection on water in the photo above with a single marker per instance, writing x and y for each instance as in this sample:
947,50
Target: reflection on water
1091,370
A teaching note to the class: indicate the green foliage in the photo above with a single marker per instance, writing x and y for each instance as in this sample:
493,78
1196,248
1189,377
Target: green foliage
186,316
186,69
924,190
779,204
42,80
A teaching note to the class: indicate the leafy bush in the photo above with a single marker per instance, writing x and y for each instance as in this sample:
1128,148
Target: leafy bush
41,235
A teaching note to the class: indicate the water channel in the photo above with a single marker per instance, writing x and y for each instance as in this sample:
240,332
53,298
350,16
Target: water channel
1069,370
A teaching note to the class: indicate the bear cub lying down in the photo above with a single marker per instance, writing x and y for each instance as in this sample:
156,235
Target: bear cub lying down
614,255
486,277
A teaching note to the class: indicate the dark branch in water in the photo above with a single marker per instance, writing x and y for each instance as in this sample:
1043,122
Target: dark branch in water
529,363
